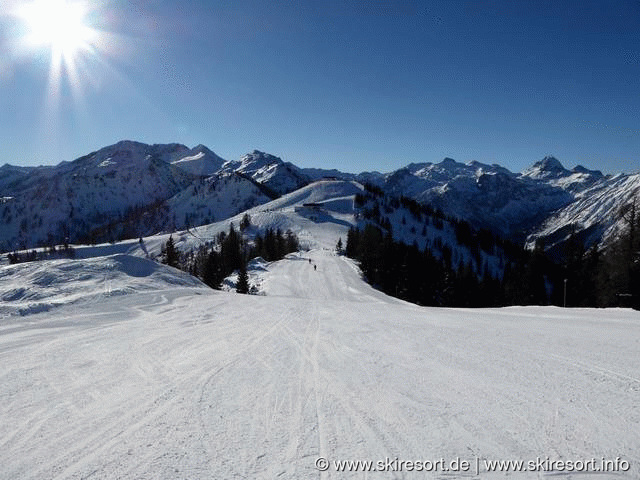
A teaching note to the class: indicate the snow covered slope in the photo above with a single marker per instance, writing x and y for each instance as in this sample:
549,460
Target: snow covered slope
204,201
39,286
316,227
183,382
487,196
219,196
200,161
69,200
595,212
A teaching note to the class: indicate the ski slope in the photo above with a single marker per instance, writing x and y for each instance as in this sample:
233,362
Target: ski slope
182,382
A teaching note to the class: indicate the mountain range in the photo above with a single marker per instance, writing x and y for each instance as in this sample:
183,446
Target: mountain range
131,189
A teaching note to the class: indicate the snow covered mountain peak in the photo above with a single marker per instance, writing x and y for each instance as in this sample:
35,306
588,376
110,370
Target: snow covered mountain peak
257,159
269,170
483,168
200,161
550,162
127,151
547,168
252,163
447,173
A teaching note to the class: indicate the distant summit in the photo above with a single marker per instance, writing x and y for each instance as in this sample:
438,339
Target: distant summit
268,170
130,189
200,161
547,168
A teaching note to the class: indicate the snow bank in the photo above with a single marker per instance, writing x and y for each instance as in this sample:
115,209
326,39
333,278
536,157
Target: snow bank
39,286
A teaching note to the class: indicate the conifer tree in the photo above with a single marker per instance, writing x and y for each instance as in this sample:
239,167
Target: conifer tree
243,279
245,222
171,257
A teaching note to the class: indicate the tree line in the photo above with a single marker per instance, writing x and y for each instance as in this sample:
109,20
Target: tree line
50,253
582,279
215,260
434,275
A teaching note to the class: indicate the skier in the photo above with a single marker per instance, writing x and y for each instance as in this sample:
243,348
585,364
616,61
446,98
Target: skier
315,267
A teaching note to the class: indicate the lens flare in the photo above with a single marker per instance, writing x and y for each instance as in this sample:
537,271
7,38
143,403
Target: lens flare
63,29
60,26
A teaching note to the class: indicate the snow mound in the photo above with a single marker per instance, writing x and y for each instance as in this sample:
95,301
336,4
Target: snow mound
39,286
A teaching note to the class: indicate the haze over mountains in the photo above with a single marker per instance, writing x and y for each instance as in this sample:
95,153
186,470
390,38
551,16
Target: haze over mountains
132,189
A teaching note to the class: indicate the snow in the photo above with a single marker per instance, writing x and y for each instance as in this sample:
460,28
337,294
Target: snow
547,168
106,163
200,161
215,197
113,366
320,229
597,207
269,170
192,158
185,382
40,286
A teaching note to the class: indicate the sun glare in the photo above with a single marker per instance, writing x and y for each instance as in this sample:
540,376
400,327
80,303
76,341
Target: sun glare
59,25
64,32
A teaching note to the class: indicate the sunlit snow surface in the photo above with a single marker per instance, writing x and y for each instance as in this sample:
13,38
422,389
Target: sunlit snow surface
141,372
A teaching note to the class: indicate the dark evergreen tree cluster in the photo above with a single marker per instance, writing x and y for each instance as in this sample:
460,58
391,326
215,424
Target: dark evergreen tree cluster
614,274
580,279
50,253
231,251
273,245
21,257
439,274
418,276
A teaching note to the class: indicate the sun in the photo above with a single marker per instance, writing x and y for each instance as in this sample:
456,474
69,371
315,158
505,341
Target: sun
64,31
59,25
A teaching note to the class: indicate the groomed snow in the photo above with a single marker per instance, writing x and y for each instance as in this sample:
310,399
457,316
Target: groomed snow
181,382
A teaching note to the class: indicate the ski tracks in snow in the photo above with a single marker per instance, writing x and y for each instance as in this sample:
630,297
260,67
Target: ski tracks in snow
201,385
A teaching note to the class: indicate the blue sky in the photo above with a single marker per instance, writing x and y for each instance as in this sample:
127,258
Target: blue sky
352,85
